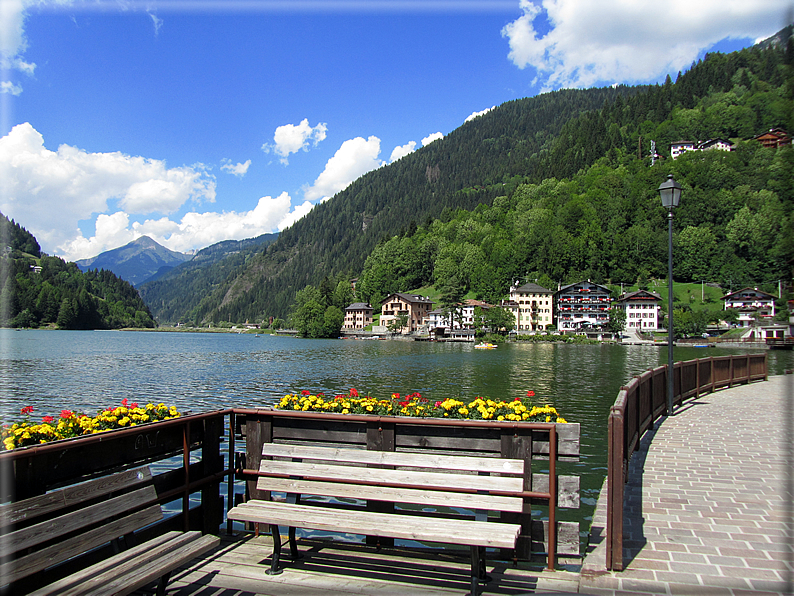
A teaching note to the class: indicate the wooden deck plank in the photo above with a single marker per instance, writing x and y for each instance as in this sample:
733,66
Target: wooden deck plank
238,569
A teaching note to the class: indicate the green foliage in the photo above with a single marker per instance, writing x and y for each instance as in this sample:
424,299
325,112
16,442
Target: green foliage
60,294
617,320
17,238
318,312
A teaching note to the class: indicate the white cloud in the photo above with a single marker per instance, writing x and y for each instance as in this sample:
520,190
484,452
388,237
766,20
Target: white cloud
597,41
158,22
402,150
353,159
9,87
291,138
51,191
239,169
194,230
13,42
473,115
430,138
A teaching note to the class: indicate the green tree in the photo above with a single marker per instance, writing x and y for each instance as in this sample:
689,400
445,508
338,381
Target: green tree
617,320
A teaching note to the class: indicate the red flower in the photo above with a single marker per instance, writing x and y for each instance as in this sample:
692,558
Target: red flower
353,392
403,403
340,398
124,402
65,413
438,404
530,393
47,419
26,410
517,399
395,396
134,405
306,392
320,394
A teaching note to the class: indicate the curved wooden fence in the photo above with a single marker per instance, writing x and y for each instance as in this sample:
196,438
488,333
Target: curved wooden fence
642,402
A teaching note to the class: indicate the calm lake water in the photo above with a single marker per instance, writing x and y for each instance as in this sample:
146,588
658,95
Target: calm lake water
90,370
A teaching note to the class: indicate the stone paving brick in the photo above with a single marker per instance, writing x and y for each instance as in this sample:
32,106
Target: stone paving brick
704,491
694,590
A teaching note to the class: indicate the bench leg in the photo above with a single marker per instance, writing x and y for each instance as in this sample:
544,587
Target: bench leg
162,583
274,570
475,569
293,545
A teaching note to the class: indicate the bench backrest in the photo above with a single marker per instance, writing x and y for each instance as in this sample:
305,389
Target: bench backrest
399,477
42,531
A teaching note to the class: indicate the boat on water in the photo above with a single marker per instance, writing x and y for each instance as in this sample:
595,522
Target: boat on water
485,346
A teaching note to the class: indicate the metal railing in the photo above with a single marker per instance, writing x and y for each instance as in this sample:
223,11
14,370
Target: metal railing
642,402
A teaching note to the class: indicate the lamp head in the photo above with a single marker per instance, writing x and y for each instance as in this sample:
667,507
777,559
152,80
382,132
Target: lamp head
670,192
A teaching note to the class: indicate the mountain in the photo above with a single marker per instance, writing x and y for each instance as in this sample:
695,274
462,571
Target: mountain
38,290
137,261
503,158
175,291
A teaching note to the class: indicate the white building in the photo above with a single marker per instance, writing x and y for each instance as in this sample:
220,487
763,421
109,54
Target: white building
642,309
752,304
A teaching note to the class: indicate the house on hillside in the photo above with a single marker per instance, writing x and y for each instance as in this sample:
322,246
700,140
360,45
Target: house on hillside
641,308
358,315
532,307
414,307
718,144
752,304
774,138
582,306
680,147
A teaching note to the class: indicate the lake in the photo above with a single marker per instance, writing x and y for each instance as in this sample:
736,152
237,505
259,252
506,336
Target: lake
89,370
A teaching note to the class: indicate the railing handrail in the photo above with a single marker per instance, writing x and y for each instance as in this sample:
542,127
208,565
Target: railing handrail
626,425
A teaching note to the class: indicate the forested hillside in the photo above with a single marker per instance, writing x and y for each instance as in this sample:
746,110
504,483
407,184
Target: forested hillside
470,166
573,193
38,290
183,288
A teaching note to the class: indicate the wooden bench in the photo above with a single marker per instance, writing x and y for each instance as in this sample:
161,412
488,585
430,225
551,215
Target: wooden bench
412,482
43,532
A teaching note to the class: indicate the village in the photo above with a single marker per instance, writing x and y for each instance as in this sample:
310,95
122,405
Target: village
575,309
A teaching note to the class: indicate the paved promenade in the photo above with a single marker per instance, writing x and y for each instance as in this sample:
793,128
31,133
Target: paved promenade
706,505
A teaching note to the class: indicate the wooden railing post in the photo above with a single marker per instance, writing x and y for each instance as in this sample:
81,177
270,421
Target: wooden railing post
615,479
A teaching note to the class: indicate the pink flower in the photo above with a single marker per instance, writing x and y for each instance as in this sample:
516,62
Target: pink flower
47,419
124,402
65,414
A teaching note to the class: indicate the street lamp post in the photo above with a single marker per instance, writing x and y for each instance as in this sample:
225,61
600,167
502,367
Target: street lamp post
670,192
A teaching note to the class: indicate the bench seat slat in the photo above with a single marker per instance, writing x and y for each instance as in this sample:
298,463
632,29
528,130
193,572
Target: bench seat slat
150,572
446,531
390,494
61,551
58,526
396,458
133,568
408,478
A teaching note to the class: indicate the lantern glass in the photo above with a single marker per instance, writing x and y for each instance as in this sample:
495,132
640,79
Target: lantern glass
670,191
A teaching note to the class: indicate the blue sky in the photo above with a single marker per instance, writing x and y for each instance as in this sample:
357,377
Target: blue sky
195,121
